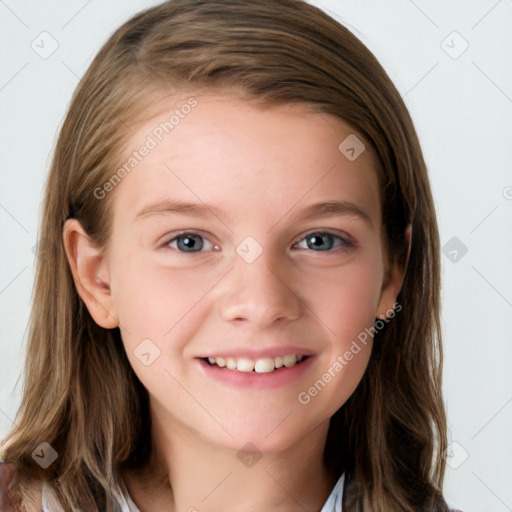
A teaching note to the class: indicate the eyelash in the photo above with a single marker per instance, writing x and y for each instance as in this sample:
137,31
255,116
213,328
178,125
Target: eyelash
346,243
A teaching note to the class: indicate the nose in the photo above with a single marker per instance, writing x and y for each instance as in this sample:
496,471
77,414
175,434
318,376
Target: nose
259,293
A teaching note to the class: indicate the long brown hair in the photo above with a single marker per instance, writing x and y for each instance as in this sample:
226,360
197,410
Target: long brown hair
80,393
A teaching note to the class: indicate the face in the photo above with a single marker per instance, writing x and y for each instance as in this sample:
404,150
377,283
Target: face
247,236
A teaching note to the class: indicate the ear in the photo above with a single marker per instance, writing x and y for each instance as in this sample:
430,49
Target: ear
393,280
90,274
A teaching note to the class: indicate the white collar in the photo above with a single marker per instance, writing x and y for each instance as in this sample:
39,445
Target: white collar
50,504
335,499
333,503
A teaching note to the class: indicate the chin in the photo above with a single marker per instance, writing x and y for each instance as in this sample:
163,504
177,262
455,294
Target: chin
261,438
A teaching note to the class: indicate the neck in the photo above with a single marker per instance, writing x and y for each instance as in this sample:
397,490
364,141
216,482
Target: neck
187,472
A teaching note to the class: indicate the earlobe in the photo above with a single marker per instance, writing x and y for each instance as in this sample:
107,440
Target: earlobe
394,279
90,273
408,243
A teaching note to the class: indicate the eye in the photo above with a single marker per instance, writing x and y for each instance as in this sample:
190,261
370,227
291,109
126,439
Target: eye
189,242
319,241
324,241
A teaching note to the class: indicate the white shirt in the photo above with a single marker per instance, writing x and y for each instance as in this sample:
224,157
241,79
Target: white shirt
50,504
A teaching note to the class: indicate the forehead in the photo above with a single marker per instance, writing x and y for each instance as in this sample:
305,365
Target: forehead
244,156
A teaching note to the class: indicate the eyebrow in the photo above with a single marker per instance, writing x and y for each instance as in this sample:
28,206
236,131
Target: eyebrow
170,206
333,209
318,210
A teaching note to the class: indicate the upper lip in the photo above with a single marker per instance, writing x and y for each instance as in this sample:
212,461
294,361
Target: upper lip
254,354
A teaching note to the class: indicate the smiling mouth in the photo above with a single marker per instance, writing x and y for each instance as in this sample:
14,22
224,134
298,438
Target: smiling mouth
264,365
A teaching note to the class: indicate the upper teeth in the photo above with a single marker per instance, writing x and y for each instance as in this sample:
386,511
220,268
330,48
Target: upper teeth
265,365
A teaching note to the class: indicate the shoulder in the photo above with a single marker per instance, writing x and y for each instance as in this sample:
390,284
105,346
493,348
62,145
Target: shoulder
7,477
32,493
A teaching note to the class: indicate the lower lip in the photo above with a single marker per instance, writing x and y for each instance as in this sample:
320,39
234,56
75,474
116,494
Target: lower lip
277,378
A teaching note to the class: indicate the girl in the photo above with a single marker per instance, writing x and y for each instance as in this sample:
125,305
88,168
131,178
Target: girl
239,304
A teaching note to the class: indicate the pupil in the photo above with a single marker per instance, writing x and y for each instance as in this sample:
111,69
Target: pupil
189,242
317,241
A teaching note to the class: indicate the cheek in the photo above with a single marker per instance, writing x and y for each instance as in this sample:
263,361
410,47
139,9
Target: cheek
153,301
160,311
347,300
346,309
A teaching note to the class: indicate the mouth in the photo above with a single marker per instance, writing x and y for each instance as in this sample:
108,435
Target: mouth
263,365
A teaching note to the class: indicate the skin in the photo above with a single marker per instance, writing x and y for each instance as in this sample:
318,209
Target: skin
261,166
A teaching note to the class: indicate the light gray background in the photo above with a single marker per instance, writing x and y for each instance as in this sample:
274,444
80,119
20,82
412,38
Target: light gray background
461,103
